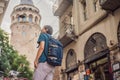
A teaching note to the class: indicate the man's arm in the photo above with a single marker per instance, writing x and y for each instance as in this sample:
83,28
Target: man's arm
40,50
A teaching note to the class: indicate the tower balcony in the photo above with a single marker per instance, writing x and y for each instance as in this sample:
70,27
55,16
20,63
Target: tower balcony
67,35
110,4
60,6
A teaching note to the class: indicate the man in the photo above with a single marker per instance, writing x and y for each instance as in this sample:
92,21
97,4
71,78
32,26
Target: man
43,71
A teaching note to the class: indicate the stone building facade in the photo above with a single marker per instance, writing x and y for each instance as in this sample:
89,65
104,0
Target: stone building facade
3,7
90,33
25,29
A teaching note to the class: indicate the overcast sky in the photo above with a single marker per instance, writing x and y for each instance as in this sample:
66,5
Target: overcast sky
45,7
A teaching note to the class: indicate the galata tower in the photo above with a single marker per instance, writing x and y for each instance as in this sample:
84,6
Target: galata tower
25,29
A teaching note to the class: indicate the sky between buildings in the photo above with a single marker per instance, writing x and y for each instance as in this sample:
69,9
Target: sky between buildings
45,7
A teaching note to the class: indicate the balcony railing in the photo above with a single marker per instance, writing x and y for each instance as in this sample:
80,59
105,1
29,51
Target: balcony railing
110,4
60,6
67,35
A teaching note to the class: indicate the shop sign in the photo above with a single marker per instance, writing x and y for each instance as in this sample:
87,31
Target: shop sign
116,66
87,71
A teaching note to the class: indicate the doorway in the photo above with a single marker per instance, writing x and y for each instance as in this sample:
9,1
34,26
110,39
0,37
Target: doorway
100,69
96,54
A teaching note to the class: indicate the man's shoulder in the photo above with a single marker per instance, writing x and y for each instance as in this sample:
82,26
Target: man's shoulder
44,35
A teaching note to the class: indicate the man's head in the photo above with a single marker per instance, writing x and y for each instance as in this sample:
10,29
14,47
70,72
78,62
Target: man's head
47,29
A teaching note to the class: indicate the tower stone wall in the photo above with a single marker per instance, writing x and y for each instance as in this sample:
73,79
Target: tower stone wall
25,29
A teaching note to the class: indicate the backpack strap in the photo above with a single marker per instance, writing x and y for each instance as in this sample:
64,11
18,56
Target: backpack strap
49,37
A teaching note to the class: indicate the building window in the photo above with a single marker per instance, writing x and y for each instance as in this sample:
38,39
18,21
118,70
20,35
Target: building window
95,6
24,19
95,3
24,8
36,19
96,43
85,10
71,58
30,9
30,18
19,9
18,18
23,33
36,11
71,17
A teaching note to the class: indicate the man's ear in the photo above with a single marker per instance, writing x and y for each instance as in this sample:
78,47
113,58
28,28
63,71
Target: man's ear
46,30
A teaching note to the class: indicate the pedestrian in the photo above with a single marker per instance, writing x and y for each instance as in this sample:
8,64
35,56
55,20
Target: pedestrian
43,71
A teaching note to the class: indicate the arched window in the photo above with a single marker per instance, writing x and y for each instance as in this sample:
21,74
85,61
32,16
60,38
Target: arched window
18,9
23,17
71,58
118,33
96,43
36,19
30,9
30,18
24,8
36,11
18,17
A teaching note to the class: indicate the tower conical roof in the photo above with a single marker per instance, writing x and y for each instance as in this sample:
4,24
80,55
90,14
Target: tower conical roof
30,2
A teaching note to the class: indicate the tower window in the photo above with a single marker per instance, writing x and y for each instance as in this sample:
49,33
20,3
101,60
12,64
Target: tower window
24,18
24,33
30,18
30,9
36,11
24,8
18,18
36,19
19,9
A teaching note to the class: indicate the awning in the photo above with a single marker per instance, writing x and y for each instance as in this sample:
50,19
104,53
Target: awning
97,56
72,68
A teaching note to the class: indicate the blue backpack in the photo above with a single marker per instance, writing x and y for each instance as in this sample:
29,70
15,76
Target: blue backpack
55,52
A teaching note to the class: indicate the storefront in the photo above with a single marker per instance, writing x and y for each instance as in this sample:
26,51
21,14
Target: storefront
71,70
97,59
116,57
